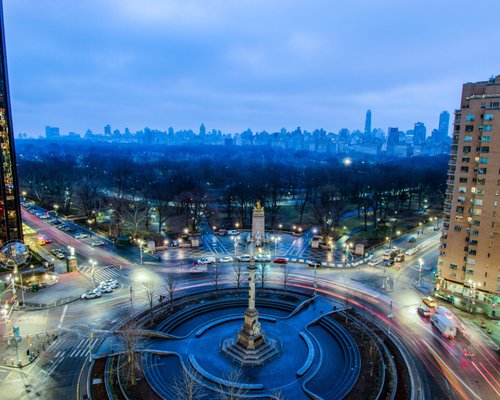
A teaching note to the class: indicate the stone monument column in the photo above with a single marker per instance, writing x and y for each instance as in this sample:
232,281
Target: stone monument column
258,225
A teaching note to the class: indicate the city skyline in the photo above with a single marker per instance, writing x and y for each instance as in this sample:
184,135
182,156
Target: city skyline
256,66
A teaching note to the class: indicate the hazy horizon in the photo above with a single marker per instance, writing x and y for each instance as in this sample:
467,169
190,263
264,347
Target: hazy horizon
233,66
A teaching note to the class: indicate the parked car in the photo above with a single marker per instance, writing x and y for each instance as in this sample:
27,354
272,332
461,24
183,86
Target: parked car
412,239
429,301
280,260
244,258
110,282
206,260
80,235
313,263
390,254
263,258
222,232
226,259
97,243
424,310
105,289
399,258
389,263
374,261
233,232
91,294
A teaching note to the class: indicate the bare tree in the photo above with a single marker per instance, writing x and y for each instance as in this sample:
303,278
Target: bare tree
163,212
131,340
238,276
285,279
216,277
263,274
151,289
232,391
170,286
187,386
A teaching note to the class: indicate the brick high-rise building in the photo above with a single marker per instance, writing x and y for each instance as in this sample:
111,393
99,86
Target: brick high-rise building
10,214
469,260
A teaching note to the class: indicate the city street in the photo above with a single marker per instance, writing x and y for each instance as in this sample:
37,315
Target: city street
85,325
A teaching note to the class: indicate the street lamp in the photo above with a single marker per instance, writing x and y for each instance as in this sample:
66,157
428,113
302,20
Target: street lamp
390,316
89,222
275,239
421,264
56,207
93,263
140,242
472,294
24,195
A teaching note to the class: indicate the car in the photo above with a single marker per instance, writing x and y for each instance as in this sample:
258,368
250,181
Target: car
105,289
226,259
98,243
436,228
206,260
412,239
263,258
390,254
244,258
47,240
313,263
44,216
388,263
91,294
80,235
108,282
468,351
411,251
374,261
429,301
399,258
280,260
423,310
233,232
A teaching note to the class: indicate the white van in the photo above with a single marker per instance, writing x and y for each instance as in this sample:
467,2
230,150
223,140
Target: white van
447,328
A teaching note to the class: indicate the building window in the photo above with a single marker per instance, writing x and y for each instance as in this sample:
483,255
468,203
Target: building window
467,149
465,159
486,139
481,171
487,128
460,209
469,271
462,189
473,242
476,223
457,228
464,169
494,104
467,138
463,180
484,149
461,199
488,117
483,160
469,117
454,275
469,128
459,218
477,202
453,267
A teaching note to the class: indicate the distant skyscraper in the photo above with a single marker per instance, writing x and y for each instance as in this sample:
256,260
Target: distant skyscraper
107,130
419,132
51,132
368,122
10,212
469,254
444,123
203,130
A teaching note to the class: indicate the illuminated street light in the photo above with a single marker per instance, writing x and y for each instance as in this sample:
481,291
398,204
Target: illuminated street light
347,161
93,264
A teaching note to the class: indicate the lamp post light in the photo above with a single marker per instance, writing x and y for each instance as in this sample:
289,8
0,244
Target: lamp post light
390,316
93,263
131,301
420,264
56,207
140,242
389,241
24,195
89,223
275,239
472,294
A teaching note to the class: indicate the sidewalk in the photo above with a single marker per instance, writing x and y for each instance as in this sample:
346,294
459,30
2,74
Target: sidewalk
24,352
69,288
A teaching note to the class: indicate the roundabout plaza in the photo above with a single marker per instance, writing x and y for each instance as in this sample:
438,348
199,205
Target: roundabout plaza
260,344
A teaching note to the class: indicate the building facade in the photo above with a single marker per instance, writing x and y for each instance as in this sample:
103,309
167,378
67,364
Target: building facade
469,259
10,214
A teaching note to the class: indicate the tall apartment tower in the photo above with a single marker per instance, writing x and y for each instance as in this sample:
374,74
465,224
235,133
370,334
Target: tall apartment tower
368,122
469,259
444,123
10,213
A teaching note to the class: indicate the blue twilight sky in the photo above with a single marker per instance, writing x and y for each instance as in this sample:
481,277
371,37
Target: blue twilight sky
238,64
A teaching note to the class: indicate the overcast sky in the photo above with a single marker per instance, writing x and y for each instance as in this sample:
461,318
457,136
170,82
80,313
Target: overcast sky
238,64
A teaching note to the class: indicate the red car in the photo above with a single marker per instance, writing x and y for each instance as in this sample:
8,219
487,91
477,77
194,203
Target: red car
280,260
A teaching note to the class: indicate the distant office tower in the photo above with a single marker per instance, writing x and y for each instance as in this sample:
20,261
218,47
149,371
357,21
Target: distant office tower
51,132
10,213
203,130
444,123
368,122
107,130
419,132
469,259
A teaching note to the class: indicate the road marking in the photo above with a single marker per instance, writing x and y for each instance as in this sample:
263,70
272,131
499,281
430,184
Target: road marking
62,316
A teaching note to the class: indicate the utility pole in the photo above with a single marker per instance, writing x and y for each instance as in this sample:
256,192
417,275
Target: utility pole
390,316
131,299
